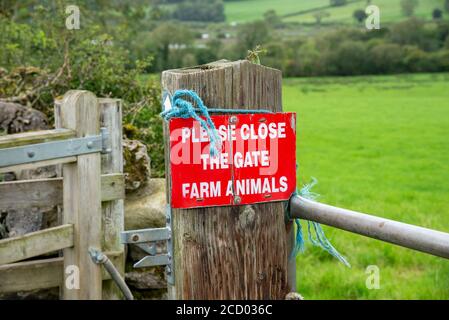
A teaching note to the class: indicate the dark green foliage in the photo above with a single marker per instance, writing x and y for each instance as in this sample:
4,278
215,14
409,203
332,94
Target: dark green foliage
272,19
359,15
408,7
437,14
410,46
336,3
40,60
251,35
200,10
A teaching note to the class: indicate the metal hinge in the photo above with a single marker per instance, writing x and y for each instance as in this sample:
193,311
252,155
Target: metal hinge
55,149
147,239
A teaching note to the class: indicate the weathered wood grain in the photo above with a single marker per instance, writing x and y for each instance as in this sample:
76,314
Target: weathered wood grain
113,211
37,164
82,195
36,243
42,274
235,252
33,137
26,194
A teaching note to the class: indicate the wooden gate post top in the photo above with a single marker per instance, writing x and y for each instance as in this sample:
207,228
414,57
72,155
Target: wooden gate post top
230,252
219,64
80,112
229,84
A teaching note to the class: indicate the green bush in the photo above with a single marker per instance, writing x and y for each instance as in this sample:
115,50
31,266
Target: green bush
386,58
38,64
200,10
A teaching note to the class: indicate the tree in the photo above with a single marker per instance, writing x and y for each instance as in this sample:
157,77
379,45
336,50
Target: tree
409,32
272,18
168,37
200,10
251,35
386,58
359,15
446,5
320,15
336,3
408,7
349,58
437,14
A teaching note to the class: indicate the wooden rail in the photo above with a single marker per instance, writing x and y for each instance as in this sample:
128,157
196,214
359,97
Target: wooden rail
41,274
36,243
24,194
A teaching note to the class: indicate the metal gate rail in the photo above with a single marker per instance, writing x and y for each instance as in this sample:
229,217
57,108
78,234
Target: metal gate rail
405,235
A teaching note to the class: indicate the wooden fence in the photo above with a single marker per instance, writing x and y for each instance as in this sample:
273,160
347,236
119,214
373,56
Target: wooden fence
89,194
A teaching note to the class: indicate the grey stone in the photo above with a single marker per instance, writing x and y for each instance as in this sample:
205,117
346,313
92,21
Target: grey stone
15,118
145,208
136,165
21,221
146,278
41,294
294,296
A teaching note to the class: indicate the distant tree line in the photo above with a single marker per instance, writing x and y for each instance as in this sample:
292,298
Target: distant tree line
191,10
200,10
407,47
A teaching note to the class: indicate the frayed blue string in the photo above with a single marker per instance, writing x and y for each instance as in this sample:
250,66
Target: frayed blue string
184,109
320,239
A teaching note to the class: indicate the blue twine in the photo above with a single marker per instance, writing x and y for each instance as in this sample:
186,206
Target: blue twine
319,239
182,108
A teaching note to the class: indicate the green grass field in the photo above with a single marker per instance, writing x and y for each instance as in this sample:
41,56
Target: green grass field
378,145
390,10
248,10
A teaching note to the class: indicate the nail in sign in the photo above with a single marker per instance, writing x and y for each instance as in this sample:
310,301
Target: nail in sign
256,162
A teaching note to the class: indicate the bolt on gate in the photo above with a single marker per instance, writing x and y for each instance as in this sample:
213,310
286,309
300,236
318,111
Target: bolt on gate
90,194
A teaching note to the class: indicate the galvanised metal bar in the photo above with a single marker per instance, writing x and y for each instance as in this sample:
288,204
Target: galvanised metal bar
53,150
405,235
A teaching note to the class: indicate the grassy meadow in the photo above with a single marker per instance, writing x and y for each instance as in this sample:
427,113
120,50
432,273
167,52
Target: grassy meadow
249,10
390,10
379,145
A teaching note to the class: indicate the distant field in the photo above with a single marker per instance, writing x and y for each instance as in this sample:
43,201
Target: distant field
378,145
248,10
390,11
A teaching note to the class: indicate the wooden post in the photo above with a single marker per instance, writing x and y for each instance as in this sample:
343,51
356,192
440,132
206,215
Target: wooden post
112,211
81,198
235,252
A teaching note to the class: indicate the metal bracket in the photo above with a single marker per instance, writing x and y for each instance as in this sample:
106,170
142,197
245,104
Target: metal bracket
54,149
170,269
146,240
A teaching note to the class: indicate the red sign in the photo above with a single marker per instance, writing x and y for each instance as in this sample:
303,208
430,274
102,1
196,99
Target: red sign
256,162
